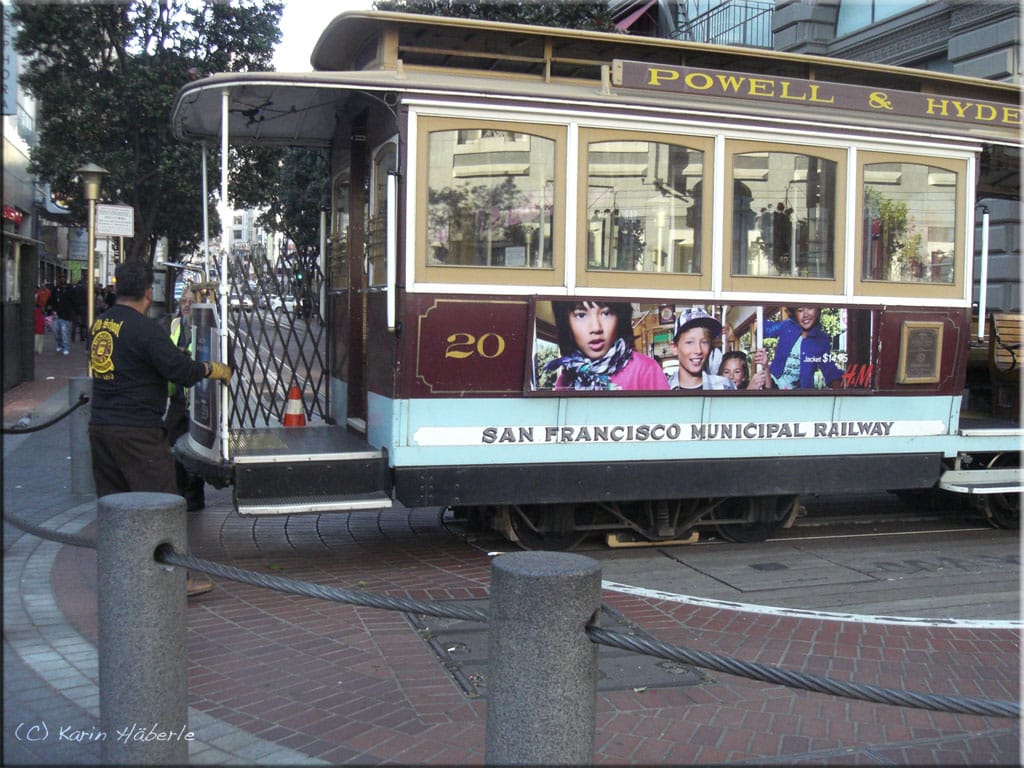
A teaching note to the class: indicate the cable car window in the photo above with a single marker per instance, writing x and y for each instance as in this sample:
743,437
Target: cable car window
644,207
784,215
376,235
909,223
490,198
338,246
644,210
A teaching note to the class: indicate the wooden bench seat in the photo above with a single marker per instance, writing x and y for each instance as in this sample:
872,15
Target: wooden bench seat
1004,362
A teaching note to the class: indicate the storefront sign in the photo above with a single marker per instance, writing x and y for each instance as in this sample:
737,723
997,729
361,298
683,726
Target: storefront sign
10,63
13,214
115,220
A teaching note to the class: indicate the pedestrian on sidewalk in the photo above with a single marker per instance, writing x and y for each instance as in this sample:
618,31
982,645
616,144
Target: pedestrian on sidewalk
43,296
132,360
39,328
80,302
50,320
65,309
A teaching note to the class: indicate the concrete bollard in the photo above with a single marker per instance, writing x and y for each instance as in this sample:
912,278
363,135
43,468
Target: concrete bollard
78,447
542,667
142,660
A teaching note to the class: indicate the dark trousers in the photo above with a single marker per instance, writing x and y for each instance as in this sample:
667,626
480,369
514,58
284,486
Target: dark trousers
190,486
131,459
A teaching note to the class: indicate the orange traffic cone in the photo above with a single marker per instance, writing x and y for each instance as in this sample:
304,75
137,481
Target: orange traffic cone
294,415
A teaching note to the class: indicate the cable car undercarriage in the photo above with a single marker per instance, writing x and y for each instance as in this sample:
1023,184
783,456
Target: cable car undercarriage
565,526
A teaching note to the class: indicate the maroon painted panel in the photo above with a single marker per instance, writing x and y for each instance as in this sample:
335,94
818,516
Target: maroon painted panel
480,346
339,334
464,345
381,347
952,366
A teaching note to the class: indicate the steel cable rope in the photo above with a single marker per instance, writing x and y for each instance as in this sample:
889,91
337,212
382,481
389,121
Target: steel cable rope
167,554
82,400
767,674
75,540
705,660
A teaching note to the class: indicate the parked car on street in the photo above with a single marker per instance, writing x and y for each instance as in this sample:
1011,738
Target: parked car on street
236,302
286,302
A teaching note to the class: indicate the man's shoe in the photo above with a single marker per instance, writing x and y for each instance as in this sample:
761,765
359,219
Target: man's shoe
197,585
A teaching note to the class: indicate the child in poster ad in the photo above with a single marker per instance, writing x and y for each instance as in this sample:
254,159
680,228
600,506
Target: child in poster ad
695,331
596,343
607,345
735,366
803,347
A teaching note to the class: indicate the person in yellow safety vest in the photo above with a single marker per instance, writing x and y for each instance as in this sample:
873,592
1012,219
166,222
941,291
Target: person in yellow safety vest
176,420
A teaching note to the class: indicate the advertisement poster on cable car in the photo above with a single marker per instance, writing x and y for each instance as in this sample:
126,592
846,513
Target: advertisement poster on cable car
205,394
597,345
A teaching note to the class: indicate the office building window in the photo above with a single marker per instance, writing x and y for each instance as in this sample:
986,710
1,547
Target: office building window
855,15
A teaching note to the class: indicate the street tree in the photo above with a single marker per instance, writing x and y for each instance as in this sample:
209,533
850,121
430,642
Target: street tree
300,194
592,16
105,75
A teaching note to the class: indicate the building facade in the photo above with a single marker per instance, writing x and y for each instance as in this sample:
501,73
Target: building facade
20,248
975,38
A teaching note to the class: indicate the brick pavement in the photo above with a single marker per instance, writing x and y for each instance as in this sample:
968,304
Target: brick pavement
283,679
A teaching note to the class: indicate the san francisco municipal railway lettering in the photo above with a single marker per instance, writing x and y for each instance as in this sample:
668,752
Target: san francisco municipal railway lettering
619,433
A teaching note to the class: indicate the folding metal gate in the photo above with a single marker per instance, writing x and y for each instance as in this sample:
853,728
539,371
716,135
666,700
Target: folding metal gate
277,338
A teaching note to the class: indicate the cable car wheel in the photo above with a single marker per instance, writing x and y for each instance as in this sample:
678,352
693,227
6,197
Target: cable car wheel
545,526
1001,509
748,519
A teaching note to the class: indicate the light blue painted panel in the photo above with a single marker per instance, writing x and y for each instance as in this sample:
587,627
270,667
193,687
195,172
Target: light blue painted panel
946,408
588,429
380,414
339,400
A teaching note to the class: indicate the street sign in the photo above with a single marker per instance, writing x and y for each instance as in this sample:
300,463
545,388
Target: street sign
115,220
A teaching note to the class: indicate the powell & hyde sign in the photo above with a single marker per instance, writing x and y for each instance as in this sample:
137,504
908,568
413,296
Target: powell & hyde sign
789,90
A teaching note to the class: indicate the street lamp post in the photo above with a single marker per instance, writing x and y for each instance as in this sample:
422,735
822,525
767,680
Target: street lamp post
91,175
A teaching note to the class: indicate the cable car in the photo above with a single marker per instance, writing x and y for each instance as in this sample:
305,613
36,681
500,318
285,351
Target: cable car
545,249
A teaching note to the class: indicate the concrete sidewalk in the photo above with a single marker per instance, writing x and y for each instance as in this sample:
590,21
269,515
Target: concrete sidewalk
281,679
50,669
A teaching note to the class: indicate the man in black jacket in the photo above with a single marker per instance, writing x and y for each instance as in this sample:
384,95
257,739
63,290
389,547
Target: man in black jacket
80,303
132,360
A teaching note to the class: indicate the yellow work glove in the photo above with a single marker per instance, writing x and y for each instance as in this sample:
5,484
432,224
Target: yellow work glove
219,371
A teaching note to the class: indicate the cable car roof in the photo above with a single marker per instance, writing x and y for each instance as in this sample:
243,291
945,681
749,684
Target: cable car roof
382,52
358,40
